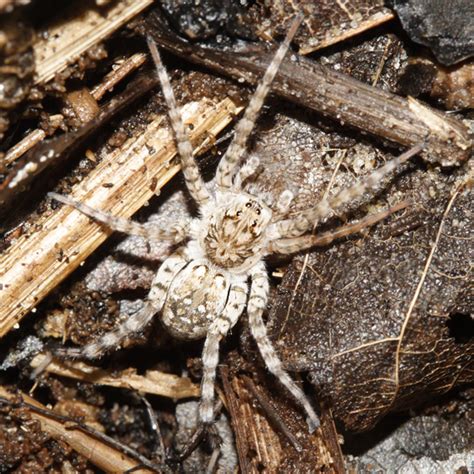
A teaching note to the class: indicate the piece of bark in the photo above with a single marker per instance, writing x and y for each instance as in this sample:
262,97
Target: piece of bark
270,430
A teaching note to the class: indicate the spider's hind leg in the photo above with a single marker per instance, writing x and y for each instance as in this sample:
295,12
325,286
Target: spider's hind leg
136,323
256,305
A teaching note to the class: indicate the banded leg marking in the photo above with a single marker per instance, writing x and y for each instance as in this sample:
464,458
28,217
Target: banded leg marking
256,305
137,322
210,355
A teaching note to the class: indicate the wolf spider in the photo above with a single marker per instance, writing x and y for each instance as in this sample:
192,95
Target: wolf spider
202,289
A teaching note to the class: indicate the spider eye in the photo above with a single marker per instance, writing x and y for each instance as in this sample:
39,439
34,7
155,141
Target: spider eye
258,211
249,204
238,213
254,224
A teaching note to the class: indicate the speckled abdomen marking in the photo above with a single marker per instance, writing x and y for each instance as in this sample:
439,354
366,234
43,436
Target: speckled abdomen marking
197,296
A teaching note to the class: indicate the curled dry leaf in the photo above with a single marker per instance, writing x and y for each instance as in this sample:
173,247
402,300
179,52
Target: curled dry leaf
383,322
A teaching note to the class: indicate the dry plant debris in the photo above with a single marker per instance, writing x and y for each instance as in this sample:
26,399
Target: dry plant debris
381,322
326,22
120,185
407,295
335,95
84,441
153,381
78,31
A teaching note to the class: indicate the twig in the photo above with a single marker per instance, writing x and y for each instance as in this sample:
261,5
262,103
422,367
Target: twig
101,450
110,81
160,450
153,381
48,152
116,75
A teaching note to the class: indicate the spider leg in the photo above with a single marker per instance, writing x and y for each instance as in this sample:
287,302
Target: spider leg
284,202
210,355
304,221
297,244
247,170
256,305
156,298
193,179
230,160
176,233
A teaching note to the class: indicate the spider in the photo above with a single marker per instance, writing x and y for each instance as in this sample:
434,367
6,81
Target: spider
202,289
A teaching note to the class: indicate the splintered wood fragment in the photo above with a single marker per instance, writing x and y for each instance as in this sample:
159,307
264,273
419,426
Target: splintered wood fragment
335,95
93,448
30,140
262,442
66,41
372,22
153,381
117,74
120,185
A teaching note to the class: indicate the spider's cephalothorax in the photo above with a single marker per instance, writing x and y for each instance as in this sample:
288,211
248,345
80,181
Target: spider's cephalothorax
235,230
202,289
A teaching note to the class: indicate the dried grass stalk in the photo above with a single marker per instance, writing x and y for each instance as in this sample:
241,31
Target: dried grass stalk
154,381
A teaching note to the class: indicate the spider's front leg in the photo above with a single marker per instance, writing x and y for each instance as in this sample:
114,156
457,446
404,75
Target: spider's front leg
226,168
305,242
304,221
256,305
175,234
194,181
136,323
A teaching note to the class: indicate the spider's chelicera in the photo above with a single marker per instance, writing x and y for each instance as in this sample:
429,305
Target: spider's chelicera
201,290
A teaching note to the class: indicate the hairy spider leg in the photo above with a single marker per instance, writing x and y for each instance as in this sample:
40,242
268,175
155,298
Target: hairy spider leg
137,322
231,158
305,220
194,182
210,355
175,233
256,305
305,242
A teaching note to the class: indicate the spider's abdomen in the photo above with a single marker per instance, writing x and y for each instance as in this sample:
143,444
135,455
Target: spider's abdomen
196,297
